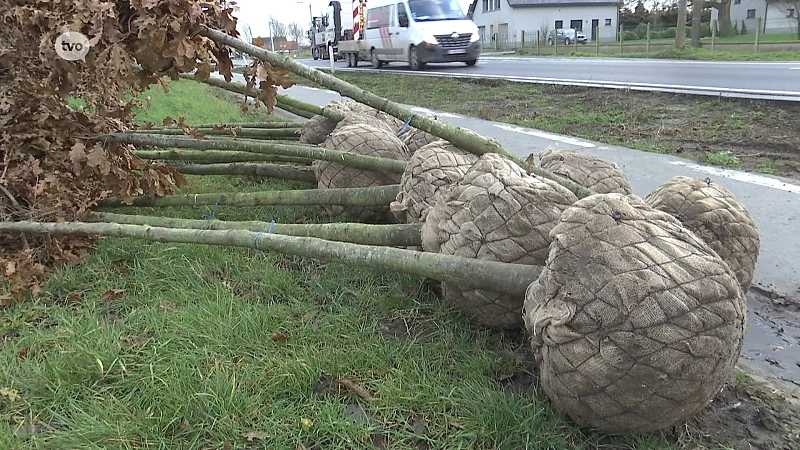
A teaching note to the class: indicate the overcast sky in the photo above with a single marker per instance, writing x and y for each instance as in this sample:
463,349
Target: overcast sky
256,13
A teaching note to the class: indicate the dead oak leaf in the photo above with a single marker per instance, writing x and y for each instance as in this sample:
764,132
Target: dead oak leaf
278,337
112,294
255,435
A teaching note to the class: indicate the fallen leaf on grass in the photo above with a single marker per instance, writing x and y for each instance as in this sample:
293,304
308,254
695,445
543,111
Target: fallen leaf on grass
112,294
10,393
23,352
356,389
278,337
136,340
252,435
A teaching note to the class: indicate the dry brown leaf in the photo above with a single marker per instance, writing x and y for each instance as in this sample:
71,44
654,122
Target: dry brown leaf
255,435
112,294
278,337
355,389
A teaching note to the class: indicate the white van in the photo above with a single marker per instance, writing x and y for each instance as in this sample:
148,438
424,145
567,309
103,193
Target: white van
420,32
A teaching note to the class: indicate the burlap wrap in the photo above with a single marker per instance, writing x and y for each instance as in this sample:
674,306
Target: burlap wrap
436,166
586,170
358,113
636,321
714,214
316,130
363,140
415,139
495,213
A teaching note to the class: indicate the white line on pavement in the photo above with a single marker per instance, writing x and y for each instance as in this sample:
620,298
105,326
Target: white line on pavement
741,176
543,135
422,110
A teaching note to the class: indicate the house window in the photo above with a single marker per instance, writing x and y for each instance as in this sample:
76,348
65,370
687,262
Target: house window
559,24
608,22
576,24
790,12
491,5
751,13
737,2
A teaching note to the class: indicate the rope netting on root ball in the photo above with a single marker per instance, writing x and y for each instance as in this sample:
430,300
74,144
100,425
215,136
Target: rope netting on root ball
496,213
635,321
362,140
434,167
714,214
586,170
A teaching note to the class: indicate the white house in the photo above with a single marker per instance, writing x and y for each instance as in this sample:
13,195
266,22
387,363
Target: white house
507,19
777,16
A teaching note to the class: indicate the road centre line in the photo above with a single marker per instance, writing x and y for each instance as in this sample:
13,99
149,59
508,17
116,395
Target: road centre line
544,135
741,176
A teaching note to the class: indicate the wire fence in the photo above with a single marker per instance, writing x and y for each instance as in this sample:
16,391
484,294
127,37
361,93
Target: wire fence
643,38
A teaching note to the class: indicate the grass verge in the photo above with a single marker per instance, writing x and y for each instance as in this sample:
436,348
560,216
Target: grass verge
157,346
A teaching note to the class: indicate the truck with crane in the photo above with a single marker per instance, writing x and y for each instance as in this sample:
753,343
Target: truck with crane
413,31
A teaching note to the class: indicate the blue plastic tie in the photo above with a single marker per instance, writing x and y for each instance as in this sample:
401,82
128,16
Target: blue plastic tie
255,239
271,226
210,217
405,125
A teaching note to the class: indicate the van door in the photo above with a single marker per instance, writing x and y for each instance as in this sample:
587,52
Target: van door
379,22
402,33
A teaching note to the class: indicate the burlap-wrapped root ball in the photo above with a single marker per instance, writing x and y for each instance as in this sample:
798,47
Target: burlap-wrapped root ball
636,322
495,213
358,113
316,130
415,139
363,140
586,170
713,213
434,167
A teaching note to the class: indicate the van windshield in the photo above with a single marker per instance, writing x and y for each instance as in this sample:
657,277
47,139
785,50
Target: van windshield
428,10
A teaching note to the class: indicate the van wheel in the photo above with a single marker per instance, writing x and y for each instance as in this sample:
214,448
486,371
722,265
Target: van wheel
315,53
567,41
471,62
349,58
549,42
376,63
355,59
413,60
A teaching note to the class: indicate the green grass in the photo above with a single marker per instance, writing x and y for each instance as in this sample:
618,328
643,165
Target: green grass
723,158
184,356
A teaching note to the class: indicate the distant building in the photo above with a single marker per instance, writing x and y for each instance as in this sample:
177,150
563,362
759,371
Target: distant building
777,16
282,44
507,19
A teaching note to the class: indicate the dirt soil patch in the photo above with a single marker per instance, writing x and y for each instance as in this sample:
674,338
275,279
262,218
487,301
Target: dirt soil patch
754,135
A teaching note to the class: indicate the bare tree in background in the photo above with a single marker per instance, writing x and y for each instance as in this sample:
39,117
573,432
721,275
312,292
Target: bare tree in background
296,32
277,29
248,33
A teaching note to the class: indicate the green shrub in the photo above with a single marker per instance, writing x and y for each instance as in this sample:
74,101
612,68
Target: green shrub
705,30
630,36
669,33
744,28
736,27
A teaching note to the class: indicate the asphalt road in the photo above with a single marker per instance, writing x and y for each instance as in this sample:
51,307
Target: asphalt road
769,80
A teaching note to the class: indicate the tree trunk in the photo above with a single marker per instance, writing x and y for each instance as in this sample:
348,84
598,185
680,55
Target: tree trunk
512,279
461,138
403,235
281,171
295,111
723,8
251,133
224,126
680,31
369,196
697,19
212,156
269,148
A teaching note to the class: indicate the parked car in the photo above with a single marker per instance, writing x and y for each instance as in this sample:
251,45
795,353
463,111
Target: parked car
566,36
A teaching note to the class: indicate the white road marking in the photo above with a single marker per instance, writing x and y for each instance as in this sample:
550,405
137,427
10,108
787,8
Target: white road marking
422,110
543,135
741,176
794,68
